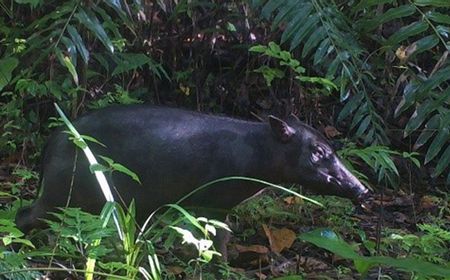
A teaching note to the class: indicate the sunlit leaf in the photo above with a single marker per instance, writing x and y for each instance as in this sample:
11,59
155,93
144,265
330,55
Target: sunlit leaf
66,61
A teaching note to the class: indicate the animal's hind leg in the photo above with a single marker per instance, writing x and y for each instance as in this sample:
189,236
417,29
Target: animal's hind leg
30,217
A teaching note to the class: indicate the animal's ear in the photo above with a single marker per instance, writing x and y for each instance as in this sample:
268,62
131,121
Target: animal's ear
293,118
281,129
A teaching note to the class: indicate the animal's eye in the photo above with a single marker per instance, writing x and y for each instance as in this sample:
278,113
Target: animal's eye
317,154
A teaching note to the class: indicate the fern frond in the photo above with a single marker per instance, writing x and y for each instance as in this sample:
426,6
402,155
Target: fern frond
325,35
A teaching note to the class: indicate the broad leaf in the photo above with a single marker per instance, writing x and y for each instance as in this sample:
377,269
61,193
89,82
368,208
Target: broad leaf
434,3
443,163
66,61
363,264
92,23
130,61
438,17
270,7
7,65
296,22
364,4
322,51
405,32
313,40
439,141
430,128
76,38
391,14
305,30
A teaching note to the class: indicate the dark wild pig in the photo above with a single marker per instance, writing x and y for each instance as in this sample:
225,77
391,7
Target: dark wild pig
175,151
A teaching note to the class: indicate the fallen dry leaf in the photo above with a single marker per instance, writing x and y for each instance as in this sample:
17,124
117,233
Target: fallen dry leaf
260,275
293,200
403,53
174,270
252,248
429,202
312,264
279,239
331,131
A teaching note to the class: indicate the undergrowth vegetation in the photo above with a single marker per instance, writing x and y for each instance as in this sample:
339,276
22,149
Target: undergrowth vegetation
373,76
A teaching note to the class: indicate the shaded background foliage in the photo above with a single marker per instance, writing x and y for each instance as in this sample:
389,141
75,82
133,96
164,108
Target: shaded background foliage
387,58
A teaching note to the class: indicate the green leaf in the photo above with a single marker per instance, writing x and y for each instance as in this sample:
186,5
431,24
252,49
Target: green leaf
88,138
285,12
313,40
365,4
270,7
130,61
269,73
443,163
438,17
318,80
274,48
76,38
359,115
423,89
296,23
322,51
350,107
321,238
32,3
341,248
363,126
305,30
192,220
418,117
98,167
393,13
438,142
430,128
258,49
7,66
386,161
121,168
65,60
405,32
425,44
92,23
442,75
434,3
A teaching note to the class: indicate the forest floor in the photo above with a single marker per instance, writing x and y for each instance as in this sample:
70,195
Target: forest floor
265,243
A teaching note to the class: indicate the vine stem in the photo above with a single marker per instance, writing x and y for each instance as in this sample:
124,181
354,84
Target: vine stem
66,24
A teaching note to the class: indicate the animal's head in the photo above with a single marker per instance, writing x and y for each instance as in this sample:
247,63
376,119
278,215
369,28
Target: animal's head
313,160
